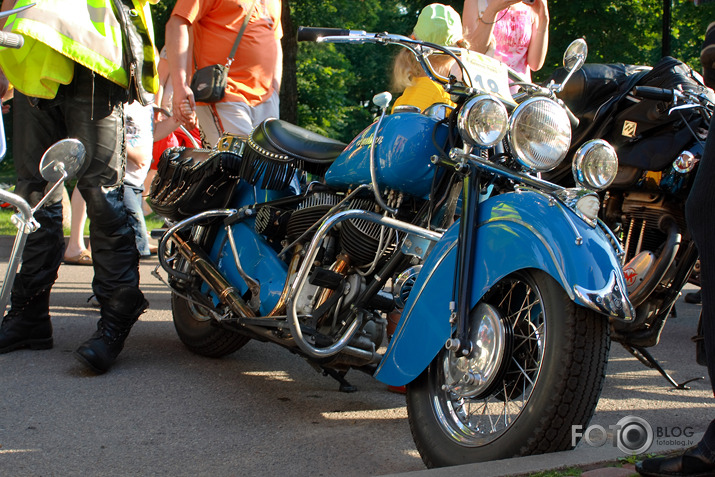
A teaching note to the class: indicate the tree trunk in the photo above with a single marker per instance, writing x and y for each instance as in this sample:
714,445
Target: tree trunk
289,83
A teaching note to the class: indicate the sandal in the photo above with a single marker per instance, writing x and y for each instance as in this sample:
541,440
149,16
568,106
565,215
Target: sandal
84,258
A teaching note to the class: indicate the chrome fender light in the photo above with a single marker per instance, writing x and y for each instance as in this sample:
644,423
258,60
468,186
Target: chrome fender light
595,164
482,121
539,134
584,202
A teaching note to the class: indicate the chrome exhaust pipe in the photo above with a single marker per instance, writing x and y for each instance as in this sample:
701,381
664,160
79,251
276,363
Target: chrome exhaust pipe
226,293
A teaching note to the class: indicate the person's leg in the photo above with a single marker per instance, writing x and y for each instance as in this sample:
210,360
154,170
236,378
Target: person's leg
270,108
27,324
700,203
147,187
699,460
133,201
96,119
234,118
111,236
76,251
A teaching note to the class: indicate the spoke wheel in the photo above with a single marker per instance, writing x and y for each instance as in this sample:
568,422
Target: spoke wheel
539,369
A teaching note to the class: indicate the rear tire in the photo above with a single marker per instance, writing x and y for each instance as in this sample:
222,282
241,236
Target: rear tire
547,378
199,332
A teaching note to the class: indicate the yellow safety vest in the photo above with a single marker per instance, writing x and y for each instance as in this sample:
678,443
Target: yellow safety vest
60,32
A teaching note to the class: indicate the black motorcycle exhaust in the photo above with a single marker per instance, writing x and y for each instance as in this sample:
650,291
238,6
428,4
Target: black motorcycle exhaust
662,263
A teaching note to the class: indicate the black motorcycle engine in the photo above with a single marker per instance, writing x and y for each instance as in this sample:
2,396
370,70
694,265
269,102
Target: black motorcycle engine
641,219
309,213
362,240
278,224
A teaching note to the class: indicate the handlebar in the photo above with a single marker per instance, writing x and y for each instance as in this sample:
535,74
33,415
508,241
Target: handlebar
677,99
314,33
11,40
421,50
652,92
572,117
18,202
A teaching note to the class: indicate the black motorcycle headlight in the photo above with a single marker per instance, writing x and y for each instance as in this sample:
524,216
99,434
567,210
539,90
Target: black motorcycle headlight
539,134
482,121
595,164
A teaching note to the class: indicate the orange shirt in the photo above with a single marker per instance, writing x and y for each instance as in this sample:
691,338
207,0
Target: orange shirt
215,24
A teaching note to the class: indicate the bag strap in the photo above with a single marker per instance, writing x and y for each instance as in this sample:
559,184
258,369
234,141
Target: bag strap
229,60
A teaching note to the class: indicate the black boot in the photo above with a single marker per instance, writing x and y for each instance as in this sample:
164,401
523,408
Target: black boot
118,315
694,462
27,324
693,297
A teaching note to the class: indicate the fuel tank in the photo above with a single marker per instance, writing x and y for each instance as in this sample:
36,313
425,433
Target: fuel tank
403,148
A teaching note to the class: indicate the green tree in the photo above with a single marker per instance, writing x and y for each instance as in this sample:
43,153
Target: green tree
626,31
160,13
335,83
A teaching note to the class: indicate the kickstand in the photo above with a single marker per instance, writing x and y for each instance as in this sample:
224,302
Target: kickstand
648,360
345,386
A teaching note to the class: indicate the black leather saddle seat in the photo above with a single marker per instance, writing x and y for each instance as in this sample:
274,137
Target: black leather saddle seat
282,137
276,150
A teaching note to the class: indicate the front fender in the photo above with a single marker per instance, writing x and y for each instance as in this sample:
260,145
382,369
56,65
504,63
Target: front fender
515,231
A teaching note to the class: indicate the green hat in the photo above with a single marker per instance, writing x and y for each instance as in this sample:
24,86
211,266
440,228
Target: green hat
438,24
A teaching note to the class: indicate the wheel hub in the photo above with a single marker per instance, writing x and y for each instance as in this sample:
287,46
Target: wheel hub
475,375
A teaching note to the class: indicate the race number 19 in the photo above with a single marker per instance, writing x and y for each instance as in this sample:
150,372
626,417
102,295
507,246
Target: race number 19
491,86
487,74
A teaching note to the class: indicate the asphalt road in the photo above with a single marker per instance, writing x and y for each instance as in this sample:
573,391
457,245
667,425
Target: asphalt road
261,411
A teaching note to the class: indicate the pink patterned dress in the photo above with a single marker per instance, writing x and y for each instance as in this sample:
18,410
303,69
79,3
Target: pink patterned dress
512,32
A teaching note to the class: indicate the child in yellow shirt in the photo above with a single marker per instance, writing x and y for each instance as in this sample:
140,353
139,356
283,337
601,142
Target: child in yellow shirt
439,24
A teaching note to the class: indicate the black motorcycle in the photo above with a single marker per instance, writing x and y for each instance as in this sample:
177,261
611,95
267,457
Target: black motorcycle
657,120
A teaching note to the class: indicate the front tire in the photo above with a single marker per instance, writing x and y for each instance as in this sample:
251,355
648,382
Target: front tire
546,377
199,333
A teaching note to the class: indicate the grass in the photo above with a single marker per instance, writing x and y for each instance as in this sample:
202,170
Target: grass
571,472
620,462
8,228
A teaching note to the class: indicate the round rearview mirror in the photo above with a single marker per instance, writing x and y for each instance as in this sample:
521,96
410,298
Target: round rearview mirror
381,100
62,160
575,55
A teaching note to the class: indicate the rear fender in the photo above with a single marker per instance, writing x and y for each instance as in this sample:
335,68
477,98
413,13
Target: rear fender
515,231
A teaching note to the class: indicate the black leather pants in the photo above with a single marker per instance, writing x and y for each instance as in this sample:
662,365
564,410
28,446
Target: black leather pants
698,211
88,109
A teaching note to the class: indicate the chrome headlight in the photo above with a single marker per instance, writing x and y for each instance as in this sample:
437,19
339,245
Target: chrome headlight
539,134
482,121
595,164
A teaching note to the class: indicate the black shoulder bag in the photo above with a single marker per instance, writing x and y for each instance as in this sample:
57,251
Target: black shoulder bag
209,82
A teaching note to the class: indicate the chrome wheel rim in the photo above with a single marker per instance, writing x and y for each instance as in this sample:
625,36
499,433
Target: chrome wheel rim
477,418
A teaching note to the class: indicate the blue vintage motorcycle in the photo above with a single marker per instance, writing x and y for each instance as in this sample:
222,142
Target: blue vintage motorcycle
504,284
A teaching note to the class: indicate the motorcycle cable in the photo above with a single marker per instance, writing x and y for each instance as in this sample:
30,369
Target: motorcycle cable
438,179
701,142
